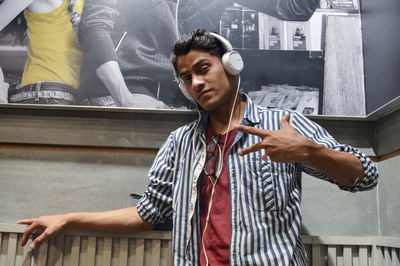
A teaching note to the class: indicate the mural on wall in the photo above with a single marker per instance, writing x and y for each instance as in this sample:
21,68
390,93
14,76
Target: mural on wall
116,53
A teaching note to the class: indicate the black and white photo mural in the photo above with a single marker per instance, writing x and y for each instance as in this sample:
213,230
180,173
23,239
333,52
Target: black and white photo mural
301,55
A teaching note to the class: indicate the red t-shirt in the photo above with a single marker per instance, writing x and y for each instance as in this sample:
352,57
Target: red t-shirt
218,233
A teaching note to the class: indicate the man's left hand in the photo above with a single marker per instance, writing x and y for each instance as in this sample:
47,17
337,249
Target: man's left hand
284,145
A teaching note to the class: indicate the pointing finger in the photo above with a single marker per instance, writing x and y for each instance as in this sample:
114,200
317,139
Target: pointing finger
250,130
26,221
252,148
28,232
42,237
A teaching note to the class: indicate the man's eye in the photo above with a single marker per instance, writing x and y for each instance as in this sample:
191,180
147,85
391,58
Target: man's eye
187,79
204,69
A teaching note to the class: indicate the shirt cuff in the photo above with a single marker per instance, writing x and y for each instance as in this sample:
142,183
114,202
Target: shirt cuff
148,212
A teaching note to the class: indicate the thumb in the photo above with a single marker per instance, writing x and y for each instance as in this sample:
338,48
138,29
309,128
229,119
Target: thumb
285,121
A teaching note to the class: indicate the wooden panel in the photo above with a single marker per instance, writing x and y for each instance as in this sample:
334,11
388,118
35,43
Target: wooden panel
139,258
56,250
156,252
395,257
316,255
123,252
169,256
107,251
331,255
27,254
91,251
387,256
42,254
344,92
3,249
67,250
347,256
363,256
75,248
155,249
12,249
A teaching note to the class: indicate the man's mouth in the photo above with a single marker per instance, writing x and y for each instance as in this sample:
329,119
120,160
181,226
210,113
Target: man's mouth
203,92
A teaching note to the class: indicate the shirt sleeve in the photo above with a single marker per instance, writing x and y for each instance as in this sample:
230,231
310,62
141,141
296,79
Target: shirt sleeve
97,23
319,135
298,10
155,206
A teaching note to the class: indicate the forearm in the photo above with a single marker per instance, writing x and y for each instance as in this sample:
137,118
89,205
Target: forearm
344,168
283,9
125,220
110,75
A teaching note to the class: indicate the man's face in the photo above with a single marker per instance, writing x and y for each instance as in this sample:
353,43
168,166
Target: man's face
206,79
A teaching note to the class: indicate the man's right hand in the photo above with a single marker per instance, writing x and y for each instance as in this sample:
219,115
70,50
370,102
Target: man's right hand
122,221
48,226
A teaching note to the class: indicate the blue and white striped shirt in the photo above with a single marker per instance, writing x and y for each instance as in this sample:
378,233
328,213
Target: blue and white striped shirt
265,196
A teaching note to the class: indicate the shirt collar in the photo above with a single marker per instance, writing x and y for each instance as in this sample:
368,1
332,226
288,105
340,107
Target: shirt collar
250,116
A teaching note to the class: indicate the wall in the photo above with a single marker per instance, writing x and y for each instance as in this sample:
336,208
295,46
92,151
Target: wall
40,180
35,183
389,197
380,22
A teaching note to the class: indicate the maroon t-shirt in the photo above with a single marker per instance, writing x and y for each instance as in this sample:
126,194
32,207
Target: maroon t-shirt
218,234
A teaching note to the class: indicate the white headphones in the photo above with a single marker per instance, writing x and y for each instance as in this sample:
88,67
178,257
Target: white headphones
231,60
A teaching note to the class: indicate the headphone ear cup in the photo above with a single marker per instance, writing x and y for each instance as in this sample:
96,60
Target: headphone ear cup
183,88
232,62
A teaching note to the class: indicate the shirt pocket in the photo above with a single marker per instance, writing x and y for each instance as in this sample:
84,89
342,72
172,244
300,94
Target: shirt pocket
259,184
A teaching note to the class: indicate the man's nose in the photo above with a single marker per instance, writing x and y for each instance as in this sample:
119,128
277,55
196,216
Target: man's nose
197,82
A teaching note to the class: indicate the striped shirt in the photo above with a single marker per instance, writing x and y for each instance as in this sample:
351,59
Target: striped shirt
265,196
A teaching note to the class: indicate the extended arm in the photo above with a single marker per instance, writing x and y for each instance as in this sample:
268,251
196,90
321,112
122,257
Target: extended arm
94,33
287,145
110,75
9,9
117,221
283,9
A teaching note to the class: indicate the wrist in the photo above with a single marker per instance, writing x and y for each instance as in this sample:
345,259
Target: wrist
309,151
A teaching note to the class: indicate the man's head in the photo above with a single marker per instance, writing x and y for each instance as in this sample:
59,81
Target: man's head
198,59
199,39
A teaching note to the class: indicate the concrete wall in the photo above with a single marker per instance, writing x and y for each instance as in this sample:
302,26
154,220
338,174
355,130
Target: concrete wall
38,181
34,183
389,197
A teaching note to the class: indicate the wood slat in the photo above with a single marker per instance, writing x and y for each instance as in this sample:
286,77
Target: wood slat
12,249
395,257
347,256
139,258
308,248
169,256
156,252
75,248
316,255
27,254
91,251
363,256
56,251
331,255
42,253
83,251
107,251
3,249
67,250
386,256
123,252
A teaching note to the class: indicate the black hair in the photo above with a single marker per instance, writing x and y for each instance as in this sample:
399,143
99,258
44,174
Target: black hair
199,39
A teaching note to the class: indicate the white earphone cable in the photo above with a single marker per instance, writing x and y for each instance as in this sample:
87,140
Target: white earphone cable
221,157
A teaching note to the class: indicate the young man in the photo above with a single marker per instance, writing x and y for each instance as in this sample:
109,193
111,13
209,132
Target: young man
230,181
